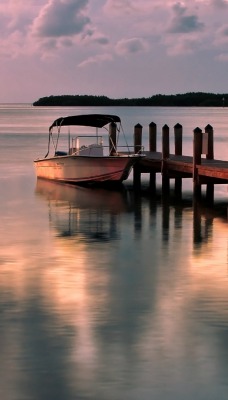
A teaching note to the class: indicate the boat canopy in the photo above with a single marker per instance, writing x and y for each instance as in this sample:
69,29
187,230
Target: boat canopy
95,120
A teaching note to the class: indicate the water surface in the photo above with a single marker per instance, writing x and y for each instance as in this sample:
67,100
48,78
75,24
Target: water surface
108,294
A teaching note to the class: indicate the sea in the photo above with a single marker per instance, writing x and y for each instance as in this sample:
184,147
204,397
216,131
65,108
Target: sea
110,294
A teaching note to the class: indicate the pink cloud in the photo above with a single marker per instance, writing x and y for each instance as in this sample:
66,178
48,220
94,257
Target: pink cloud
131,46
61,18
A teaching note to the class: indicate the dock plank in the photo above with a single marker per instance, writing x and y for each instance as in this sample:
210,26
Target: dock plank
153,162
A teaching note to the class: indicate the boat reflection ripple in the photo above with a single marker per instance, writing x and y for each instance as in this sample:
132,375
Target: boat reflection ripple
89,214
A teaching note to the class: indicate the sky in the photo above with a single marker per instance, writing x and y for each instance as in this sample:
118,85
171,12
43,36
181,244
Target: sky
116,48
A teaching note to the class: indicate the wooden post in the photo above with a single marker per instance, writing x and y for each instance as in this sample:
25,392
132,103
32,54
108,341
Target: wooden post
197,150
165,155
137,148
137,138
112,138
178,134
165,142
210,132
152,148
210,156
152,137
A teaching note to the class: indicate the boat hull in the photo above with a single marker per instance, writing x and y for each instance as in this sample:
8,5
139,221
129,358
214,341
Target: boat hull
79,169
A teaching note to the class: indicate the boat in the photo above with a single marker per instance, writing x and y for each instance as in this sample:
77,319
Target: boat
85,162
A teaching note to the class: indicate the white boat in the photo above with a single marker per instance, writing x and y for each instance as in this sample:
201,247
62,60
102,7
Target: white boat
83,162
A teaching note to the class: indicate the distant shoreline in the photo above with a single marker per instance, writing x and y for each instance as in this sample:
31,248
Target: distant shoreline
191,99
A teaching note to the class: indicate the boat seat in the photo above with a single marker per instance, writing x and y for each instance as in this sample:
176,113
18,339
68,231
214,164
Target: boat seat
60,153
94,150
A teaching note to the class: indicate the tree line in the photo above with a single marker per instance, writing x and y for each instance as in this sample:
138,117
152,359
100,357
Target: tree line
191,99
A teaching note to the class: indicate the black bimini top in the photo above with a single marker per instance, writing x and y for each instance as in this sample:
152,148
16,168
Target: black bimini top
95,120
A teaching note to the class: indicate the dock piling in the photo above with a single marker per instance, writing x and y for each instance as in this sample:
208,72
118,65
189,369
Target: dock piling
165,156
210,151
178,136
137,148
197,151
210,156
204,170
152,148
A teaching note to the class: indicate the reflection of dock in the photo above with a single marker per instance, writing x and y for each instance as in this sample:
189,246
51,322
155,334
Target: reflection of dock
169,216
203,171
92,215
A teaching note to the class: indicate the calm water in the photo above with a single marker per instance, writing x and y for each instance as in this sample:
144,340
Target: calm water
106,295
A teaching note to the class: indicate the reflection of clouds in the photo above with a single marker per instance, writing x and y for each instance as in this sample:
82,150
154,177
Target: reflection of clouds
83,319
209,282
209,264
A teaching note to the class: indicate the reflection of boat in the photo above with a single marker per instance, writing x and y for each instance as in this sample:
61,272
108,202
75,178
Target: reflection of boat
90,214
86,163
83,198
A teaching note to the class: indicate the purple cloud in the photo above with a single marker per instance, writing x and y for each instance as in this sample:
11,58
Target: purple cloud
183,23
131,46
61,18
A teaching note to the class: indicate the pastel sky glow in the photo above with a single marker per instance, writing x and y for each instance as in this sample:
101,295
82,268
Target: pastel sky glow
117,48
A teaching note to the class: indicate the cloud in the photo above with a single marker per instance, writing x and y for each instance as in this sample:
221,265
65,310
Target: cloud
183,46
124,8
98,59
224,31
15,16
4,20
221,4
131,46
101,40
183,23
223,57
15,48
221,38
93,36
61,18
121,7
88,33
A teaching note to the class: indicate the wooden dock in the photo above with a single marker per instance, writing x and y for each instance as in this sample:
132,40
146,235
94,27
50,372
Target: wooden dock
201,166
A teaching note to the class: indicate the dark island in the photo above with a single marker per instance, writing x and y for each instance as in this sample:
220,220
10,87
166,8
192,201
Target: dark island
191,99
